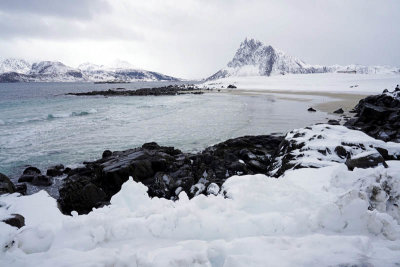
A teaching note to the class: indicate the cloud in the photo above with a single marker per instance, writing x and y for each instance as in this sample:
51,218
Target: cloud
194,38
81,9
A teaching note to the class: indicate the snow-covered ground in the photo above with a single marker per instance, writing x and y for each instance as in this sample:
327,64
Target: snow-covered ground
326,216
318,82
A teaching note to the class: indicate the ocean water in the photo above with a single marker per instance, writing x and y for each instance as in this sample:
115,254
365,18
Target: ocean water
41,126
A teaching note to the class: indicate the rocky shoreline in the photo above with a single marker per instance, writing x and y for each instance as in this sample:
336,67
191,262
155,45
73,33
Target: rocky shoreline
157,91
167,171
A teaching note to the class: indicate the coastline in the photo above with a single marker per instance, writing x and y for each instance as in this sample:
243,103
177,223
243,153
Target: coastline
330,101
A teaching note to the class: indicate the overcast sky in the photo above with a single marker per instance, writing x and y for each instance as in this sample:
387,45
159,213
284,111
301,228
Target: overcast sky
195,38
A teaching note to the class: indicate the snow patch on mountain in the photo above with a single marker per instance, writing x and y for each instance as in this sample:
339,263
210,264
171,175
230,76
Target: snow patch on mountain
14,65
12,70
253,58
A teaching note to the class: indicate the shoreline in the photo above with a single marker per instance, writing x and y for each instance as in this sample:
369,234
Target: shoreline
333,101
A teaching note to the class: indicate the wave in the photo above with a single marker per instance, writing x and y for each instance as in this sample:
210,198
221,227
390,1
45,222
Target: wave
72,114
50,116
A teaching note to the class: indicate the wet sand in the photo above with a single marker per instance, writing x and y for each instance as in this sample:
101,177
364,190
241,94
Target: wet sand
328,101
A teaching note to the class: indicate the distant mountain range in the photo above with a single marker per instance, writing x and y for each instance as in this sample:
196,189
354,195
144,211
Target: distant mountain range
18,70
253,58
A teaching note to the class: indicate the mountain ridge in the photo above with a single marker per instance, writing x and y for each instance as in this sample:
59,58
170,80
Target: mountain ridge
19,70
254,58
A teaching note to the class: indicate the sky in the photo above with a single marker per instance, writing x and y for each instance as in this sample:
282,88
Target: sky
195,38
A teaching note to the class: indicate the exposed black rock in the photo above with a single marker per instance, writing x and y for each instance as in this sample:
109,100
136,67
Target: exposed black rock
311,110
231,86
368,161
166,171
21,188
159,91
34,176
333,122
339,111
6,186
378,116
16,220
57,170
106,154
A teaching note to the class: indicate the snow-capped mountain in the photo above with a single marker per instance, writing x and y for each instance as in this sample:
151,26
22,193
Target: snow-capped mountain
253,58
14,65
12,70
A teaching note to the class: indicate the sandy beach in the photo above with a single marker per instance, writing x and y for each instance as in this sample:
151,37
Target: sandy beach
326,101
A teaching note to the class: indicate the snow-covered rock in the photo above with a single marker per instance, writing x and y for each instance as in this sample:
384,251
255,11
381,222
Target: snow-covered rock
253,58
327,145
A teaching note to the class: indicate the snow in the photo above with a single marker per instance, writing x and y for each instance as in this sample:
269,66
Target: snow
14,65
253,58
53,71
311,217
326,138
318,82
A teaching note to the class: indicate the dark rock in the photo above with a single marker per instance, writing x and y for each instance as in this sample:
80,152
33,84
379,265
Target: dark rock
231,86
42,180
57,170
21,188
378,116
35,178
26,178
311,110
341,152
106,154
339,111
158,91
333,122
16,221
32,171
166,171
6,186
369,161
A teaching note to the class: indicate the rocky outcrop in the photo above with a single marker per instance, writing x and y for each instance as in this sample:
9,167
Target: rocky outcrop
166,171
326,145
379,116
159,91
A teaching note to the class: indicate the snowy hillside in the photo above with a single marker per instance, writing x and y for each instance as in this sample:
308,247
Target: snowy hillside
253,58
14,65
13,70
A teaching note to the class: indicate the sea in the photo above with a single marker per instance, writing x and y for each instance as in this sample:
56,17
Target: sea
42,126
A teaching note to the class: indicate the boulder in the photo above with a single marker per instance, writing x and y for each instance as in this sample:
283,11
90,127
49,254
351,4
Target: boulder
32,171
6,186
311,110
378,116
333,122
56,170
369,160
231,86
106,154
34,176
16,220
339,111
